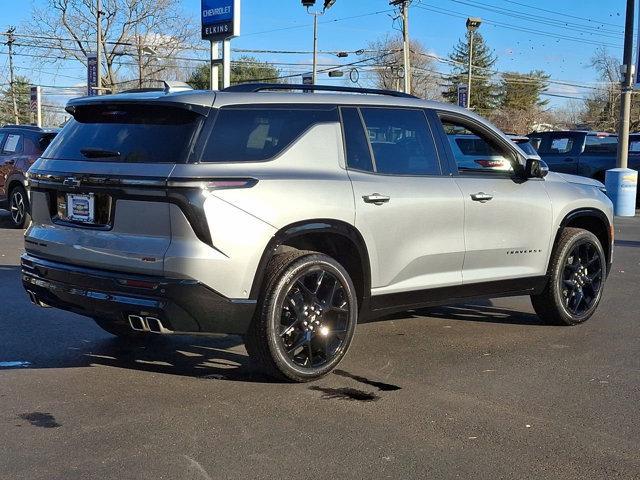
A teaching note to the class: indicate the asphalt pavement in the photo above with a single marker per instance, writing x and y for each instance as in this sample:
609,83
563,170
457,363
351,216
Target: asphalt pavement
478,391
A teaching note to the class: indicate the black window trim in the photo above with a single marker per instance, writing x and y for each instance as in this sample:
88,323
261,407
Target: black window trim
428,122
207,130
344,141
514,174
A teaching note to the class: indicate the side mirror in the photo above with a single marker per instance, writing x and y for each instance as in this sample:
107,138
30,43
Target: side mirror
535,168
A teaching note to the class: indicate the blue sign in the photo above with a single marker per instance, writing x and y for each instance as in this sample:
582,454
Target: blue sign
92,74
463,96
220,19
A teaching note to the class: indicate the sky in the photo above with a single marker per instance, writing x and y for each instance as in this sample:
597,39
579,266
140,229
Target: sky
557,36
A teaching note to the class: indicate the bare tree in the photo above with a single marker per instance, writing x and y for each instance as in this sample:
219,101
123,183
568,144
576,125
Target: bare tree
388,67
139,37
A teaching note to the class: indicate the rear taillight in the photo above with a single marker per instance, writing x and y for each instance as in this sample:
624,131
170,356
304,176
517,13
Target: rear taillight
213,183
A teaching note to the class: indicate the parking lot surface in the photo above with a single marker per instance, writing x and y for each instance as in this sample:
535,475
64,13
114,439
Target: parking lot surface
482,390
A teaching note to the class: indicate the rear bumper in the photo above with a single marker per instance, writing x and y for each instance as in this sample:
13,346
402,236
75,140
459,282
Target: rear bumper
183,306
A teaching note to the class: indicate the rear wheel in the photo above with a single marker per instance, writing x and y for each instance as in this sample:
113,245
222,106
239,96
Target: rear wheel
19,207
305,319
577,275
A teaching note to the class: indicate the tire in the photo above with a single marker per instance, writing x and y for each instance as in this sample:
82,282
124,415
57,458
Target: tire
577,272
306,317
121,330
19,207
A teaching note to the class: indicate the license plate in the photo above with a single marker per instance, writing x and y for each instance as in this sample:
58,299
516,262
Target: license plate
81,207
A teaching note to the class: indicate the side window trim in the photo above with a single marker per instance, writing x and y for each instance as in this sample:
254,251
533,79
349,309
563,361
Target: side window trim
344,140
366,136
429,132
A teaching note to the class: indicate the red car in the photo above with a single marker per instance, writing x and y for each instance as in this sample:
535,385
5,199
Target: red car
20,146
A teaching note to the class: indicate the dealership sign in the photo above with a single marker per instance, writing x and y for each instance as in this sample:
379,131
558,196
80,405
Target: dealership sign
463,96
92,74
220,19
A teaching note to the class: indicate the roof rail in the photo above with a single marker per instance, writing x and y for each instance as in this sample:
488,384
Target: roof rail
259,87
26,127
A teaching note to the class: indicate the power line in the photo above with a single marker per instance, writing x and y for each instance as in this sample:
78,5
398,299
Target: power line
563,14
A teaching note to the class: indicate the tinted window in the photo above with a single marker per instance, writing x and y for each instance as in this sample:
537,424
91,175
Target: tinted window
357,147
555,144
601,144
401,141
13,144
634,144
127,133
526,147
2,137
254,134
474,151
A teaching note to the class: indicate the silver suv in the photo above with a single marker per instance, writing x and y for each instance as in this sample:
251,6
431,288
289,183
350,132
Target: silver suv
288,217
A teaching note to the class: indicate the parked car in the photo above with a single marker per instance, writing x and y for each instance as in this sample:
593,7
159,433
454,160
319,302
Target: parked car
589,154
20,146
471,152
288,218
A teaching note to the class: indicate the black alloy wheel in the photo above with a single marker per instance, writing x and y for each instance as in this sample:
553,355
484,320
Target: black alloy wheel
581,278
305,319
18,206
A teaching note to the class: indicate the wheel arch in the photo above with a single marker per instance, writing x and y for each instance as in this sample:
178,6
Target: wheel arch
335,238
593,220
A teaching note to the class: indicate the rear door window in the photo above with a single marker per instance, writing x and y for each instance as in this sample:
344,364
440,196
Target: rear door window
251,134
401,141
133,133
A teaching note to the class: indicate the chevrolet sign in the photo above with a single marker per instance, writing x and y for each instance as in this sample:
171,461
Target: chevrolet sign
220,19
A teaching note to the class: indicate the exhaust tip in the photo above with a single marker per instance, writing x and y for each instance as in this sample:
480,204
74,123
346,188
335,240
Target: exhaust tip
156,326
137,323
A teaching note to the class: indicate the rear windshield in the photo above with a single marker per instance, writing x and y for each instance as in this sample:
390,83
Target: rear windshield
127,134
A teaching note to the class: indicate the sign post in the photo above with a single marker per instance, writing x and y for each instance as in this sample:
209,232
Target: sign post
220,23
92,74
35,104
463,95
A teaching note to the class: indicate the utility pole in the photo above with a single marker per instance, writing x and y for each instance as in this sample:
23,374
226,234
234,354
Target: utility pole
10,39
473,23
99,44
406,44
315,46
627,87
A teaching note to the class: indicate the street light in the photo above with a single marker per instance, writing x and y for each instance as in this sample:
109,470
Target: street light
473,24
308,4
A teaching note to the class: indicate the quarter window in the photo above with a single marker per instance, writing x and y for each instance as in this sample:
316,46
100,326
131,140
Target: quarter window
401,141
256,134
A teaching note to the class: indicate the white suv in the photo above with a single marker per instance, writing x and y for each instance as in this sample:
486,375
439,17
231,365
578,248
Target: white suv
289,217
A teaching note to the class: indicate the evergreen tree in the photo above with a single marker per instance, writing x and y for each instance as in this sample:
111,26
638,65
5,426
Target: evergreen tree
522,91
246,69
484,93
22,88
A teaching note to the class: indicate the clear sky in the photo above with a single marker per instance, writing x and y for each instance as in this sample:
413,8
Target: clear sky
558,36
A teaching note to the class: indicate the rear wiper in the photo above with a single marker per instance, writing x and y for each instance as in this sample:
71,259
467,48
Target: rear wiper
98,153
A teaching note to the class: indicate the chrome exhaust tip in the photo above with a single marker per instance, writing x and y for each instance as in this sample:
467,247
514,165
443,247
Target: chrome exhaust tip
34,299
138,324
147,324
155,326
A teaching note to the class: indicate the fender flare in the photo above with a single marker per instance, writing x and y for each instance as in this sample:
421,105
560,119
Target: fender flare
593,213
321,225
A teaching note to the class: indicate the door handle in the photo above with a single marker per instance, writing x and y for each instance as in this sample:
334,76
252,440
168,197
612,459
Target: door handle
376,199
481,197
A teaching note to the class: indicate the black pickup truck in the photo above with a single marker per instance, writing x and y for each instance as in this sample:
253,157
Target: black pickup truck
589,154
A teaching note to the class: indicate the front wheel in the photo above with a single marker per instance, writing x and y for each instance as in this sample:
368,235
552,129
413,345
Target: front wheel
577,275
305,319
